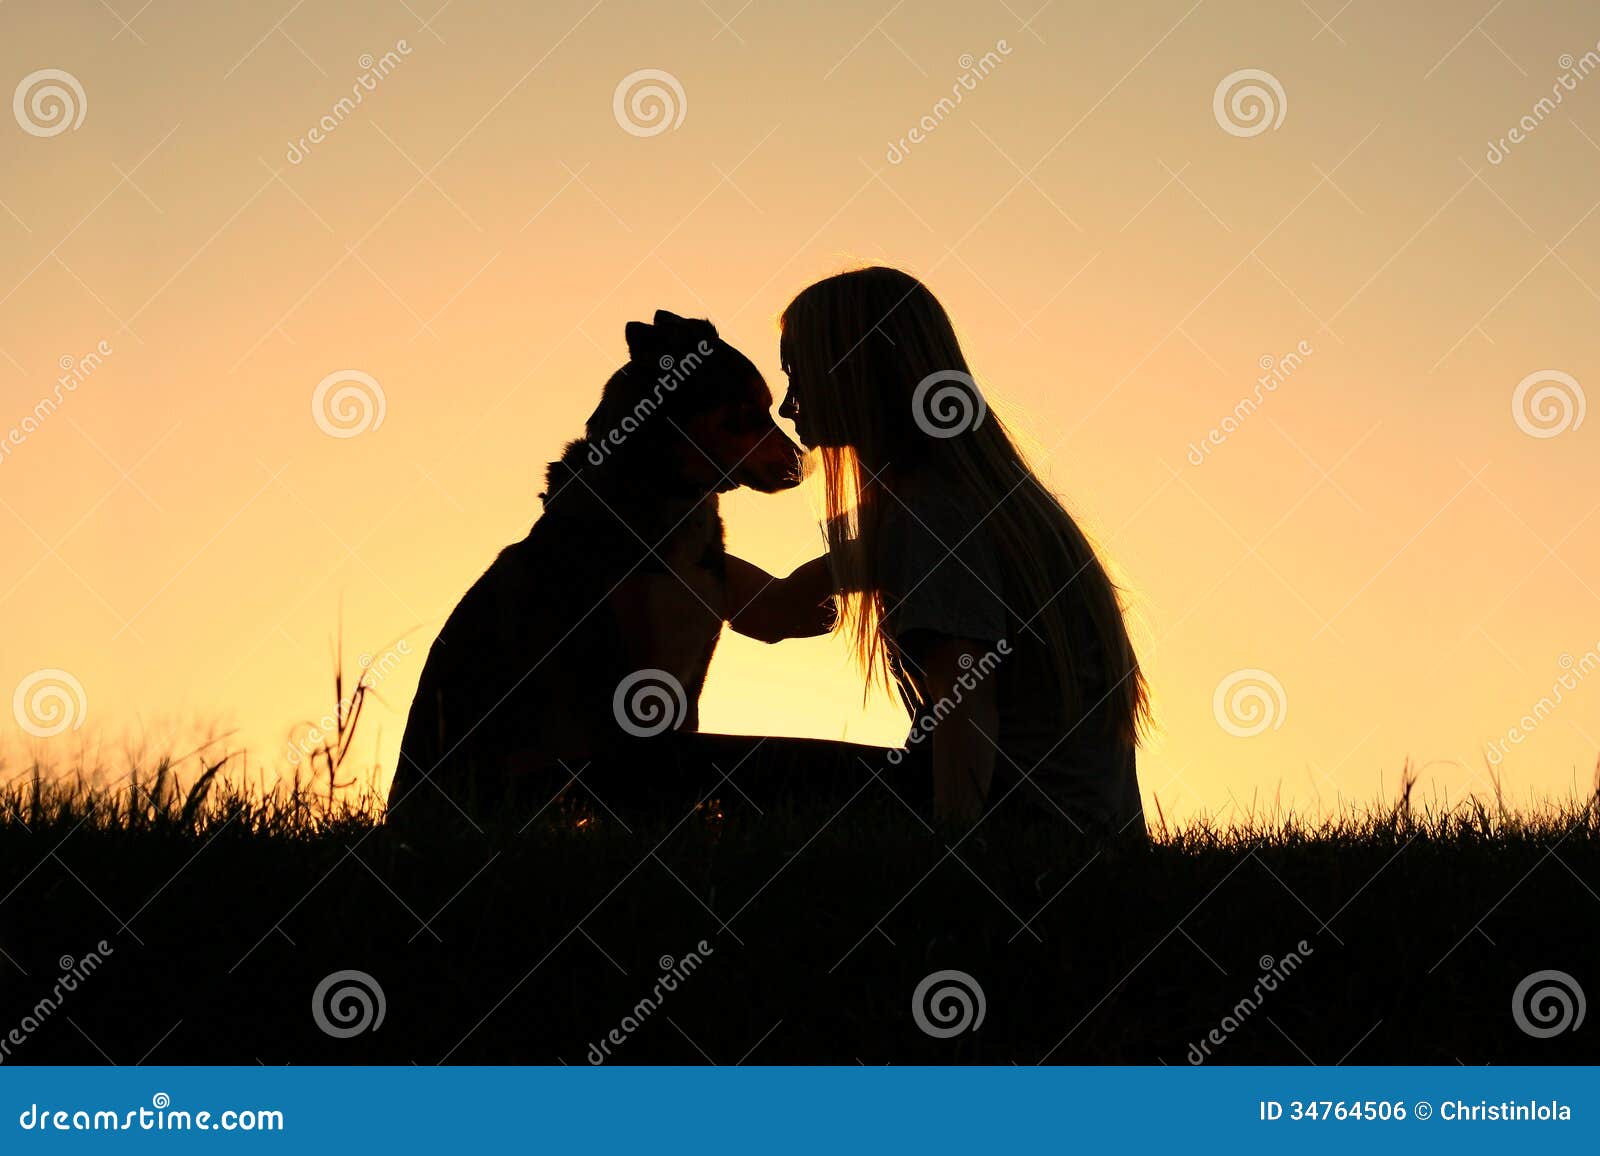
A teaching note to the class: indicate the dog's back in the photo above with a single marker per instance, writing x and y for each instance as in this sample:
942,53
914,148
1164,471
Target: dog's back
523,674
503,680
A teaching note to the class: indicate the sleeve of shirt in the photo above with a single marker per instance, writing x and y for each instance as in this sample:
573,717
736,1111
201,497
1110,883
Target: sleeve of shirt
941,574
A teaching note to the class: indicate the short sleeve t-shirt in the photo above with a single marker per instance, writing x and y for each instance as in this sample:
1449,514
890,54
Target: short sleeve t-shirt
942,576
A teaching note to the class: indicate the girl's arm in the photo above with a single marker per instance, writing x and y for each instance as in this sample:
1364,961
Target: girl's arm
772,609
965,741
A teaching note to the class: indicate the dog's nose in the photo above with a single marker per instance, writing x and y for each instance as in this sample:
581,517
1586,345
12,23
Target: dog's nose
780,459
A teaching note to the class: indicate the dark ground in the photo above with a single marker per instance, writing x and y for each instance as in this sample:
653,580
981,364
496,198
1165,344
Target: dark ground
531,947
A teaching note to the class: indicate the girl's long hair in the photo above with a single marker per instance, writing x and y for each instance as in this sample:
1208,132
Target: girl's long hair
857,346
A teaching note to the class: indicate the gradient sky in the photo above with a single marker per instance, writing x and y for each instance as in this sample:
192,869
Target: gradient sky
1382,536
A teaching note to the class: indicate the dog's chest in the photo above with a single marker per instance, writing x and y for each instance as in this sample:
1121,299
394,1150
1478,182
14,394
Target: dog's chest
671,610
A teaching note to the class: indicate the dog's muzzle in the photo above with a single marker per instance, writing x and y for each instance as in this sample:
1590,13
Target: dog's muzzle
773,464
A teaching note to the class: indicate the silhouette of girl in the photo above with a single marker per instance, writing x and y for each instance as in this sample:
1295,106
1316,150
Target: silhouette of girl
958,578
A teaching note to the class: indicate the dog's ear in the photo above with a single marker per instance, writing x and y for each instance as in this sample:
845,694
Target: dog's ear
669,332
641,337
672,323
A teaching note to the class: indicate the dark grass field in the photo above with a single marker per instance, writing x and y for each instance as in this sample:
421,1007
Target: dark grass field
1410,933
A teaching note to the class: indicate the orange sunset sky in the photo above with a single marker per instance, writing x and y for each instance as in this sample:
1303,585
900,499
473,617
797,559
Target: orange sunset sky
1397,544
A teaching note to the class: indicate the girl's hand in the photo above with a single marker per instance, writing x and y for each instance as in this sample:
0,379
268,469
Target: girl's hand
772,609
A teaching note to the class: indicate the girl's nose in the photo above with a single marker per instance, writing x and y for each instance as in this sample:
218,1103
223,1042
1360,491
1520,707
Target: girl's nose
790,408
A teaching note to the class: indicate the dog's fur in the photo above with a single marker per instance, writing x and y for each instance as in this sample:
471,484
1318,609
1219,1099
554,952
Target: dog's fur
623,572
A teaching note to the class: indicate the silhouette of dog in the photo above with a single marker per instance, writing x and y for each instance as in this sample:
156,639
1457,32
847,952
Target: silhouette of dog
600,624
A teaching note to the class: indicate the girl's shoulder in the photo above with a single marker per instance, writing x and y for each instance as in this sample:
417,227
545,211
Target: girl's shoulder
938,566
927,502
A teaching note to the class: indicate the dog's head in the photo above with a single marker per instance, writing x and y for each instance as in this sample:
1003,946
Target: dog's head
692,411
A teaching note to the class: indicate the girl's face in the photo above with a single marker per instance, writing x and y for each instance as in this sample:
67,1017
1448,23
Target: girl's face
791,409
801,403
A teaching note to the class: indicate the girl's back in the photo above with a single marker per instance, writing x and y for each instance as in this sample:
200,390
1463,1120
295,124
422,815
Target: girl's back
945,575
